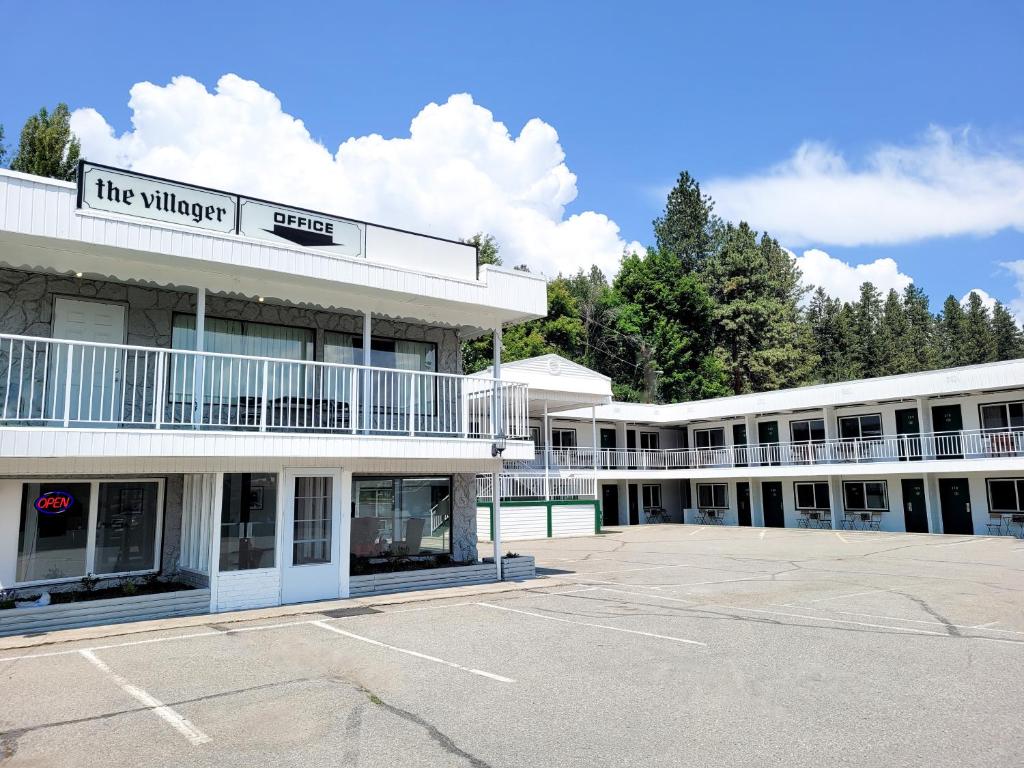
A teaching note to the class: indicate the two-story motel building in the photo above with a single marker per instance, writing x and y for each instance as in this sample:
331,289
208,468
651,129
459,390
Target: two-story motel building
185,389
933,452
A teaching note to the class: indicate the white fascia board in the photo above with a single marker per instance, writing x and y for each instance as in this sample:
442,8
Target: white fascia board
41,228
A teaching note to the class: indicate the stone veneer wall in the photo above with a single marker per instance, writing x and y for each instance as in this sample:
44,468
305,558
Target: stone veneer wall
464,517
26,308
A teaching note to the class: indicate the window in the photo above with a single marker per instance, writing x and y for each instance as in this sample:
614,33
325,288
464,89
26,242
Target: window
866,427
57,517
811,495
652,496
248,523
385,353
808,431
865,495
1002,417
650,441
1006,495
410,513
563,438
230,378
709,438
712,496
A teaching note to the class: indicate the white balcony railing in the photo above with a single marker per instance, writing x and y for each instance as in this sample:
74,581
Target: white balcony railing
969,444
534,486
52,382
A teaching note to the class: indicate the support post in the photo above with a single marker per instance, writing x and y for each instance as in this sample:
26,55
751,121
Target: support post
593,433
547,455
367,403
498,433
199,364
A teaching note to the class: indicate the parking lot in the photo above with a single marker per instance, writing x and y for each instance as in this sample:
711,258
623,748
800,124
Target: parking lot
654,646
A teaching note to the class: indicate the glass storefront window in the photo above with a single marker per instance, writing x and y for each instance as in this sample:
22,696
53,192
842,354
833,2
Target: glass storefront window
410,515
248,525
54,531
126,527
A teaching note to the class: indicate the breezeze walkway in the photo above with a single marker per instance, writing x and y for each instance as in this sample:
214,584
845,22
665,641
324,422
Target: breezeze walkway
654,646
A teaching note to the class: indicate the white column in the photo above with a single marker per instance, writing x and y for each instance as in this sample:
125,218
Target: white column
367,403
756,508
623,502
932,504
547,455
199,366
835,500
834,486
751,423
593,439
498,432
924,413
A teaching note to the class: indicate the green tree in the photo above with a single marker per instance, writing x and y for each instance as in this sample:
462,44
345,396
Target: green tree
979,343
487,249
1009,341
894,357
867,321
47,146
664,324
830,337
920,343
688,226
952,334
759,333
3,147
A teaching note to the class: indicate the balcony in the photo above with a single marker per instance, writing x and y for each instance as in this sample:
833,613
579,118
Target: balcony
53,383
964,444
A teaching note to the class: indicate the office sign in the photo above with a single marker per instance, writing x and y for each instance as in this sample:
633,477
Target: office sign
131,194
54,502
293,226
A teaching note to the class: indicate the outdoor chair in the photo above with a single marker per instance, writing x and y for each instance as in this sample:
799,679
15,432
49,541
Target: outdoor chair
365,532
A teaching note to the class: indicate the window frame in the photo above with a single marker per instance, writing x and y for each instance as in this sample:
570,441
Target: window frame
396,483
810,440
709,431
813,484
1019,491
93,519
860,428
863,484
644,488
725,495
562,430
373,337
656,439
1005,404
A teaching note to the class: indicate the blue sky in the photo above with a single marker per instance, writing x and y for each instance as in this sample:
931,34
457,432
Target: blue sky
636,92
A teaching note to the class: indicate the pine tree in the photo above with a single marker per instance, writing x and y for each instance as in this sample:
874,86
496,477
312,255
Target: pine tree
759,332
688,225
3,147
1007,335
867,320
894,357
979,343
830,333
951,334
920,344
47,146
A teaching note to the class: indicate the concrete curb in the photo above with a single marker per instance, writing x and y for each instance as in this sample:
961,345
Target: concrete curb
14,642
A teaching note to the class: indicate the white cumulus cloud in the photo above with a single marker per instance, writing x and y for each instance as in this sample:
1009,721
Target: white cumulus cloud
457,172
944,185
987,300
842,280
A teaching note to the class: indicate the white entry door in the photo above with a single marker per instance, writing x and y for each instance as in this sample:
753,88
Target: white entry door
95,393
312,556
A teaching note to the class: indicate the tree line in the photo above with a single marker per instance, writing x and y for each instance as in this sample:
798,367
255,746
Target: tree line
46,145
715,308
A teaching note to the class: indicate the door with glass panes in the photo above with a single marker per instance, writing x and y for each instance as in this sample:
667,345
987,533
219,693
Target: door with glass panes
312,535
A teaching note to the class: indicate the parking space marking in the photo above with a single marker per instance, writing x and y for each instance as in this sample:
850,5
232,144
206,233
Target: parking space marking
909,630
836,597
591,624
407,651
969,540
763,534
633,570
695,531
157,707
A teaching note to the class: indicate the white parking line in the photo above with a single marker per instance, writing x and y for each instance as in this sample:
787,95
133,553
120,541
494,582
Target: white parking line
837,597
763,534
834,621
695,531
417,654
631,570
157,707
969,540
590,624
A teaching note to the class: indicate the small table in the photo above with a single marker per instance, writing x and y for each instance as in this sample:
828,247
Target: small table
656,514
711,516
862,521
814,519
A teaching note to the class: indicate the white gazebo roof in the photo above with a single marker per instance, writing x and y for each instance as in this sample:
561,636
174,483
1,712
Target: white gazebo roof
557,382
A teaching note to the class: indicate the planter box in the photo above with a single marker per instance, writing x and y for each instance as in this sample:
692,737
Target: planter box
88,613
515,569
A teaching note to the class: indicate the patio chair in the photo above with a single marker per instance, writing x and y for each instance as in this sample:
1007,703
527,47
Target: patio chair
413,542
365,531
997,525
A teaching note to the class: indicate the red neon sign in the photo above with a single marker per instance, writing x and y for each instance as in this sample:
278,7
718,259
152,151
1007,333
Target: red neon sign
54,502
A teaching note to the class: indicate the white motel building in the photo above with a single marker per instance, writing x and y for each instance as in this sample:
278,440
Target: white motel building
186,394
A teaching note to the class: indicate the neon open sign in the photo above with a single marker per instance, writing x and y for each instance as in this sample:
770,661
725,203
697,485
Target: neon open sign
54,502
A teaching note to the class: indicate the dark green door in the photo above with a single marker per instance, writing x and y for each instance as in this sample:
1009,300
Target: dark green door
771,500
743,503
739,441
609,505
607,438
955,499
915,511
634,505
908,426
947,423
631,439
768,436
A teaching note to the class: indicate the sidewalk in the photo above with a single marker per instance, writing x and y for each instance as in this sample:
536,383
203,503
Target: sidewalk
276,612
